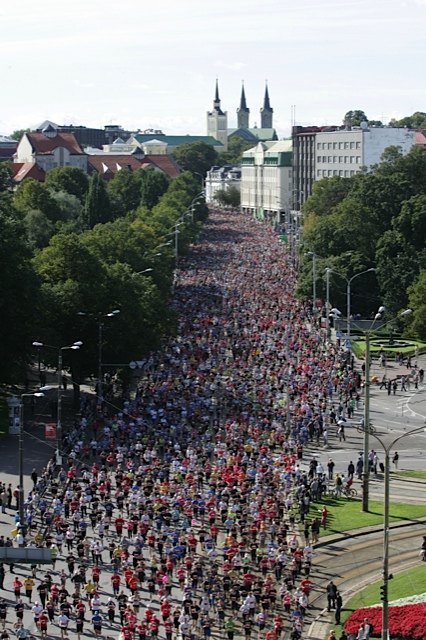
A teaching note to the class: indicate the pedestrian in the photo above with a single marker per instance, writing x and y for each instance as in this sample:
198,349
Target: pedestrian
339,605
395,459
331,595
63,622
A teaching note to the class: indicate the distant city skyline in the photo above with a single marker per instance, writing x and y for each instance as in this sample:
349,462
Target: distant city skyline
154,65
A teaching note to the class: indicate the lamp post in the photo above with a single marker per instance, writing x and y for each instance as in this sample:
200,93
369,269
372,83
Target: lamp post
74,346
385,574
36,394
100,317
197,197
348,295
367,385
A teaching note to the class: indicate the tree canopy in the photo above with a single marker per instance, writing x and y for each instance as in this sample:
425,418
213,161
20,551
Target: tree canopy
72,245
197,157
376,219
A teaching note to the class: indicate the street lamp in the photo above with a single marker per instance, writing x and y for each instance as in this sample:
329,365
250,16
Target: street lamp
386,576
197,197
140,273
348,295
365,469
74,346
36,394
99,317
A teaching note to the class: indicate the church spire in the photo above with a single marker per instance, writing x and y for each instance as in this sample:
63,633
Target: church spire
243,112
216,101
266,111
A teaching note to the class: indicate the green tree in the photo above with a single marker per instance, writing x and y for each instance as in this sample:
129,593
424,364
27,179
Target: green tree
39,229
354,118
154,184
326,194
72,180
31,195
124,190
236,148
70,207
416,321
416,121
17,135
197,157
97,208
228,197
411,221
19,300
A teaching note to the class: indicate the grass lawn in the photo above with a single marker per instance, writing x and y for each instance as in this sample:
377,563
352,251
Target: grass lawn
391,351
404,584
345,513
415,473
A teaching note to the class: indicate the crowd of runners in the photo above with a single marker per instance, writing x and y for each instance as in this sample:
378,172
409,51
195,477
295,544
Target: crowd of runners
188,514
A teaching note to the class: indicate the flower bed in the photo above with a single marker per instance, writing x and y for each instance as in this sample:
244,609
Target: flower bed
408,621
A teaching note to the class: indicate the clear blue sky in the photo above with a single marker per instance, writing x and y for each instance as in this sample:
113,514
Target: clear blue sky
145,63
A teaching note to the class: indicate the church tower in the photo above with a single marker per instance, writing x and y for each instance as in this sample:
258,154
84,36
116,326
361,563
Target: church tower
243,113
217,121
266,112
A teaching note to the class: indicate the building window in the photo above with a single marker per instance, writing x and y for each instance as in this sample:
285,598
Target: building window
319,159
358,145
358,159
352,145
346,159
330,173
346,173
340,159
352,159
324,158
324,173
346,145
330,146
340,145
352,173
334,145
334,172
319,172
330,159
318,145
341,173
334,159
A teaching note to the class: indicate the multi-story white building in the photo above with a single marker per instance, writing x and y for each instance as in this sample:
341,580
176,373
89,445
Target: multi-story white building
343,152
50,149
221,179
266,180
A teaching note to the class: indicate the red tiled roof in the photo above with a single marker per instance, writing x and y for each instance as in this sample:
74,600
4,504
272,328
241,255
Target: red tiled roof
166,163
42,144
22,170
107,165
420,137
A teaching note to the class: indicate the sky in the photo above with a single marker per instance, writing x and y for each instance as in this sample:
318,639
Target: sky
154,63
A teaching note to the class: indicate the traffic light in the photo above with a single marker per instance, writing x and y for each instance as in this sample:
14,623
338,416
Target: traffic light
384,592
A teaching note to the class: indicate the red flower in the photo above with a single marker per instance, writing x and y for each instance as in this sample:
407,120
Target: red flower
408,621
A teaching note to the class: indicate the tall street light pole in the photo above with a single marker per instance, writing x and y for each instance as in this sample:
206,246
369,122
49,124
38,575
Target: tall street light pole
100,317
385,574
74,346
36,394
348,295
367,387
